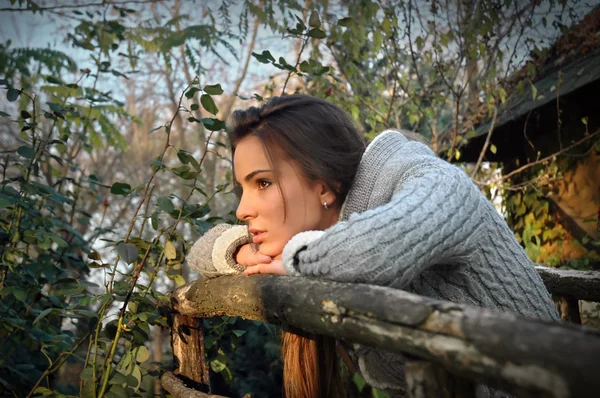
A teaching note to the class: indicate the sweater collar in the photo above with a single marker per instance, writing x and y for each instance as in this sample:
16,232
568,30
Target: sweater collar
376,154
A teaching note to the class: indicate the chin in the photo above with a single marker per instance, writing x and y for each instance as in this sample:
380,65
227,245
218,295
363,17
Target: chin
271,250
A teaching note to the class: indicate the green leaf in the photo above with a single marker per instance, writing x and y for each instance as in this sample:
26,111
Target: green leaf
502,95
4,114
264,58
217,366
127,251
118,391
43,391
13,94
317,33
59,241
154,220
154,129
208,104
25,114
378,394
534,91
118,378
190,93
136,376
300,24
179,280
120,288
420,42
20,294
185,157
195,107
385,25
120,188
314,21
87,374
359,381
493,149
345,21
213,124
584,120
165,204
142,354
157,165
213,89
26,151
5,203
119,74
239,333
54,80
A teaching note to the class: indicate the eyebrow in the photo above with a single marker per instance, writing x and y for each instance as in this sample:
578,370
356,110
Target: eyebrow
255,172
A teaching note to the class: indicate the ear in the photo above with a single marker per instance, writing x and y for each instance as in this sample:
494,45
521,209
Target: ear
326,195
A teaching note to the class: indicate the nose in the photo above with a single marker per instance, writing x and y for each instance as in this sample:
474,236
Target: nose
245,210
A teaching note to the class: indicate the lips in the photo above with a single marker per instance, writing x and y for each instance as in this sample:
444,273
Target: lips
259,236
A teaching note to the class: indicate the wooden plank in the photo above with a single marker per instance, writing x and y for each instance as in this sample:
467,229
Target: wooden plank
187,340
568,307
178,389
581,285
502,350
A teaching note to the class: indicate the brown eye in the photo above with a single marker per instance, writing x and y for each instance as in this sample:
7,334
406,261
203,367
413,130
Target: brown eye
263,184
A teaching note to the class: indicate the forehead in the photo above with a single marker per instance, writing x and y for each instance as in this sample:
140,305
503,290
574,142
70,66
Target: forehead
249,155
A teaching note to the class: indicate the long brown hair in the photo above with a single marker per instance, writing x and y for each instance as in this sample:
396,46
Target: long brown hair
324,142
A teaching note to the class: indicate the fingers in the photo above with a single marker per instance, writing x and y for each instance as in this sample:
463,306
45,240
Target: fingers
253,269
274,267
263,259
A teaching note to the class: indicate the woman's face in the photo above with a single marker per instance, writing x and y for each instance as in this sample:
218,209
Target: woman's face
262,202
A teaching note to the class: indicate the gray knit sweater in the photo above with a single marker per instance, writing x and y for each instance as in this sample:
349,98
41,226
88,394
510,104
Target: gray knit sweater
413,222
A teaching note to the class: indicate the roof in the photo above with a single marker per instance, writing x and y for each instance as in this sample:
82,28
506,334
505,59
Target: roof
572,62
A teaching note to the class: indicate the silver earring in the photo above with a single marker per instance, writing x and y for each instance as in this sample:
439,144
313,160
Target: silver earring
325,205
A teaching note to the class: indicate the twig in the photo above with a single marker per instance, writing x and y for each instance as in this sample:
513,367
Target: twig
51,369
455,135
487,142
239,81
529,165
295,66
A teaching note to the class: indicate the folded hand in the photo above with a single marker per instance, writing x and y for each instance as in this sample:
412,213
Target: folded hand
273,267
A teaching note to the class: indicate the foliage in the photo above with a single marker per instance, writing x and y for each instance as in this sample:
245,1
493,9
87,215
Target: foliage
105,185
534,219
51,310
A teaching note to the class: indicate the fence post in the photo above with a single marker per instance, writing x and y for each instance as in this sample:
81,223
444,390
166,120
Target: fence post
187,340
568,307
425,379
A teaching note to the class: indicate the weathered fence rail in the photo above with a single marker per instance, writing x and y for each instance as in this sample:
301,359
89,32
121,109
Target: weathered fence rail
458,345
570,286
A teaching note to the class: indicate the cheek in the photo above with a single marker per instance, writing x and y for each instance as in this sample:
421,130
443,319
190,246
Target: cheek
303,212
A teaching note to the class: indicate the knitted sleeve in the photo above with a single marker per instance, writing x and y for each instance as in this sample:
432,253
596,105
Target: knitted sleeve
212,254
431,219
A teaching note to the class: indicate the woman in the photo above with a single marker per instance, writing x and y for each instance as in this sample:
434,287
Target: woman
317,203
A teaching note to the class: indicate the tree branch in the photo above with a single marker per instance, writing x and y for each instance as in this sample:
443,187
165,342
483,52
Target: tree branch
487,142
529,165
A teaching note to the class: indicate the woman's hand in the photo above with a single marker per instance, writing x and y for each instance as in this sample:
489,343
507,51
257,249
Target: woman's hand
273,267
247,257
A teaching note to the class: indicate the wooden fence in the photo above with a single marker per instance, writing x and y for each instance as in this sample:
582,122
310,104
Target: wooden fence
457,345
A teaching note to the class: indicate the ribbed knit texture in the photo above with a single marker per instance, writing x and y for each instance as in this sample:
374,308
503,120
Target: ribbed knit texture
415,222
